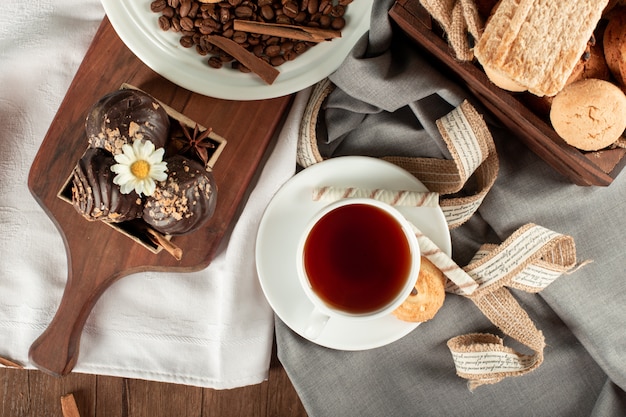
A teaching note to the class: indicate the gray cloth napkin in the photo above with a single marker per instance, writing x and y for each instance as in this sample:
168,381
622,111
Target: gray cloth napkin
387,100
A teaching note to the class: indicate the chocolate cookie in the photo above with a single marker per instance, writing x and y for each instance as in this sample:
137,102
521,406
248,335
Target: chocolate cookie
124,116
95,196
184,201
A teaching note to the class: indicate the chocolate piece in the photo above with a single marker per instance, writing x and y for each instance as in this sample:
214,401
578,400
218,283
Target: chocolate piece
184,201
124,116
95,196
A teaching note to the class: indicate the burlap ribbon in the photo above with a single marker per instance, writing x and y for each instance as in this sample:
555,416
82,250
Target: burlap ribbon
457,18
529,260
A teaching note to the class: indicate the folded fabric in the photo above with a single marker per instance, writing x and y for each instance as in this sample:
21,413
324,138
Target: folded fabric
212,328
387,99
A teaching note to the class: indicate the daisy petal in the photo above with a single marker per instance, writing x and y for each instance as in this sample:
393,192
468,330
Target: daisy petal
149,186
156,156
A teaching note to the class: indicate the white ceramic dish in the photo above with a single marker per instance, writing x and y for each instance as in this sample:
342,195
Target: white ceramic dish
137,27
285,219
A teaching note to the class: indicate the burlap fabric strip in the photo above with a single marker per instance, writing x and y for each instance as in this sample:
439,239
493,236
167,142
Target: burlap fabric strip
457,18
529,260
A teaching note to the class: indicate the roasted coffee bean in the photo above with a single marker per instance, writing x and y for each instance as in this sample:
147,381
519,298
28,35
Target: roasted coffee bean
338,23
325,21
168,11
300,47
224,15
277,60
164,23
186,41
291,9
186,23
243,12
300,18
272,50
283,19
175,22
158,5
185,7
290,55
267,12
337,11
240,37
215,62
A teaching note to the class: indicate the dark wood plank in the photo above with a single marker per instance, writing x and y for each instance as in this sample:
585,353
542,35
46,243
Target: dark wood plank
37,394
97,254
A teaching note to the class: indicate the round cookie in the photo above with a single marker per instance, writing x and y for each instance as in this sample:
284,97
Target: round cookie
589,114
614,42
184,201
428,296
124,116
95,196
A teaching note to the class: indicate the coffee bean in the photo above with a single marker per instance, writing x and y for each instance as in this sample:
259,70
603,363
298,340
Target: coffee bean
338,23
185,7
243,12
158,5
186,23
164,23
240,37
215,62
272,50
186,41
267,12
291,9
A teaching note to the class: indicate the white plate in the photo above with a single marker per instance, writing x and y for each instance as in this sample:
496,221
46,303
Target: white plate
137,27
284,220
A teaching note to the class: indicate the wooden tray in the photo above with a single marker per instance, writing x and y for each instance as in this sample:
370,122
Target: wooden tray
582,168
97,254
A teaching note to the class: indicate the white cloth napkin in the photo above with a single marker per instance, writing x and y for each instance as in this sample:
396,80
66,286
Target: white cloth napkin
211,328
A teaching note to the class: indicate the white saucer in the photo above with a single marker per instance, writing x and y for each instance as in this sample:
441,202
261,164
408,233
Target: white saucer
285,219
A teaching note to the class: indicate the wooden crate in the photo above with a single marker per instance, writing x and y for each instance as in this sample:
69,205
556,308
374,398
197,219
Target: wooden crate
582,168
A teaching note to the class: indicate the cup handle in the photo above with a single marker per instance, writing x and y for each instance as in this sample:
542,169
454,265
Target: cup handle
316,323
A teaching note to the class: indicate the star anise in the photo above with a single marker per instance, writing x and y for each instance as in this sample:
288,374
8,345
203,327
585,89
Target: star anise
195,142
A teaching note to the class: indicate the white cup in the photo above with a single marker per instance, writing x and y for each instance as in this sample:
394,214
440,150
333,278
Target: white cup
358,259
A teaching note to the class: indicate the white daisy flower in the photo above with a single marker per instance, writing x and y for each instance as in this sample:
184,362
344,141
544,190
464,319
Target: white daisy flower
138,167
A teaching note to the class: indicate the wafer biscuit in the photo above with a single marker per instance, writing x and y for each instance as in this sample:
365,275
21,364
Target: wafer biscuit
537,43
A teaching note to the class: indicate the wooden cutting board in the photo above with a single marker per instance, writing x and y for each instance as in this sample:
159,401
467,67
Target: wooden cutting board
97,254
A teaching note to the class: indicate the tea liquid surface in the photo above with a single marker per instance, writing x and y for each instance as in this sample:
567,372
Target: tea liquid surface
357,258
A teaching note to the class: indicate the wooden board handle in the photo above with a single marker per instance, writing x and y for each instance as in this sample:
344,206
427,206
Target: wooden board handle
56,350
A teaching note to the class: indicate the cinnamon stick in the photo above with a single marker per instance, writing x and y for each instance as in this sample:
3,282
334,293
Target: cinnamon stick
160,240
302,33
261,68
68,406
9,363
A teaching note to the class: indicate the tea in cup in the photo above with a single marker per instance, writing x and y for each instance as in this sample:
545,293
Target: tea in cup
358,259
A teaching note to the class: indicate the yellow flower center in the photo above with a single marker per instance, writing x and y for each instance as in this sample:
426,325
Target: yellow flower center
140,169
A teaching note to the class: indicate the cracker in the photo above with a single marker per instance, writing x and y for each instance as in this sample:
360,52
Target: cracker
424,304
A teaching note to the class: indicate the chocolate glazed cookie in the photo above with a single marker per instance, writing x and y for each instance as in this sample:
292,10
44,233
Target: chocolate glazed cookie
124,116
95,196
184,201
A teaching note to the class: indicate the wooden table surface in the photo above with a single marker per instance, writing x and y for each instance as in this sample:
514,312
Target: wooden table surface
36,394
